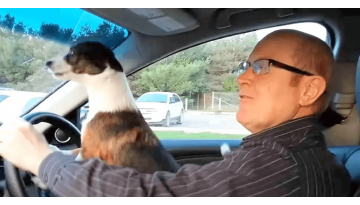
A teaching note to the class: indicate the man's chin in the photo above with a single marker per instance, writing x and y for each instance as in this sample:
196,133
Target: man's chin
244,120
241,118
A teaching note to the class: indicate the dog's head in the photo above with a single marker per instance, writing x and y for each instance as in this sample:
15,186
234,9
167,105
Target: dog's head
85,62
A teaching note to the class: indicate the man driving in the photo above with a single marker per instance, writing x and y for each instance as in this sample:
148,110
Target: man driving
282,90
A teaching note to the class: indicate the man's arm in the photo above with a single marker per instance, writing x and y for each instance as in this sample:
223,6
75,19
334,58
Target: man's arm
240,174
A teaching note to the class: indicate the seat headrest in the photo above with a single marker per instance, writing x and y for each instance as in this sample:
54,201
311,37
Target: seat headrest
343,101
342,88
357,85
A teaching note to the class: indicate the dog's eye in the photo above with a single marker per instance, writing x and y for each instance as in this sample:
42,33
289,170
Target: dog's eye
71,52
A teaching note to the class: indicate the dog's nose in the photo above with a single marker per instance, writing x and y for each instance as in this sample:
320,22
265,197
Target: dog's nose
49,63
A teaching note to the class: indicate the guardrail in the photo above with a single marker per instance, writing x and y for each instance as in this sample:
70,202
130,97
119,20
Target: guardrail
213,98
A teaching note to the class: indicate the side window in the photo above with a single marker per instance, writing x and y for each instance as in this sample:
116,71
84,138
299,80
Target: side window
206,86
177,98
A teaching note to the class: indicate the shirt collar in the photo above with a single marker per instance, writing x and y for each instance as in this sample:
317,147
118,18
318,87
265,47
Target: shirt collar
305,124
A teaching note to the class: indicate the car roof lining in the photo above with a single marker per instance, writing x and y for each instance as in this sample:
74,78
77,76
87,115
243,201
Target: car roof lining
150,21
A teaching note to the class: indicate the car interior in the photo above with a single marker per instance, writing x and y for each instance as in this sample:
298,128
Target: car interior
149,43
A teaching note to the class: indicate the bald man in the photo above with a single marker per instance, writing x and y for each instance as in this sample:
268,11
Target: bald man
282,89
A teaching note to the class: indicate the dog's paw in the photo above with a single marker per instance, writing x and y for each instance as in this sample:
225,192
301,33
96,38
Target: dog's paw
79,157
225,150
54,148
37,181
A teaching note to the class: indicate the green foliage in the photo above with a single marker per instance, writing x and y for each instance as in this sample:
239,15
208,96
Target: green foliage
173,77
226,55
134,83
230,84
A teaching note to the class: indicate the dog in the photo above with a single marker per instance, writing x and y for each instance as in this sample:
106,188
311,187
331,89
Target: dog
115,130
225,150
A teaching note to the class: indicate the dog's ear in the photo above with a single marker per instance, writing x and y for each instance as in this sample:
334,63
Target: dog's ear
87,68
114,63
134,135
78,70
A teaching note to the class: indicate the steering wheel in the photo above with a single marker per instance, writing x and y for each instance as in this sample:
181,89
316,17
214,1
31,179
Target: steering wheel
13,179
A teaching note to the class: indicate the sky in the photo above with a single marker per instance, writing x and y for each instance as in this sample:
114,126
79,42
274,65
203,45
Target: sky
73,18
314,29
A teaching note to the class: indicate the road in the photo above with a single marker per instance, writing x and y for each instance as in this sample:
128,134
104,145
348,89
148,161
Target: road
195,121
207,122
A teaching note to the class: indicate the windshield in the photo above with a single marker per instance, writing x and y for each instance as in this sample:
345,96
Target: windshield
159,98
3,97
31,36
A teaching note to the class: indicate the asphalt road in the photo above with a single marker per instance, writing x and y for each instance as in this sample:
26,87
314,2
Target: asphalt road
195,121
207,122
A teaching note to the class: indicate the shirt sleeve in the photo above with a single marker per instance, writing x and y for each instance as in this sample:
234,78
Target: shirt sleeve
241,174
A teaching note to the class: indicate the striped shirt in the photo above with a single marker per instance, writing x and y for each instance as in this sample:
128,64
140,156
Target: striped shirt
288,160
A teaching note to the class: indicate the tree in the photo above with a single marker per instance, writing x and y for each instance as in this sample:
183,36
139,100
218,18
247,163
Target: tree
7,22
230,84
20,28
173,77
134,84
226,55
105,33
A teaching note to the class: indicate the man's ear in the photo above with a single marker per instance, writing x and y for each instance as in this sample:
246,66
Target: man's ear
312,88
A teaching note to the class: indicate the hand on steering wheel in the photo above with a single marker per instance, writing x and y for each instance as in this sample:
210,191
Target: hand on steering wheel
13,179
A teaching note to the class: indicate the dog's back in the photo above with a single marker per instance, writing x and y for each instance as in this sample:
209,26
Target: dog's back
124,138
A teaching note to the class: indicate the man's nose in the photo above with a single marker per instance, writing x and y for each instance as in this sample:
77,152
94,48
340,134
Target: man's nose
245,78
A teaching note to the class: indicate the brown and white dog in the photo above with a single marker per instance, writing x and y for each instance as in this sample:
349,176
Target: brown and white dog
114,131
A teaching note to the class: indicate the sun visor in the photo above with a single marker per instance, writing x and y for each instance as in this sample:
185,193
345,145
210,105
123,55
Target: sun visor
149,21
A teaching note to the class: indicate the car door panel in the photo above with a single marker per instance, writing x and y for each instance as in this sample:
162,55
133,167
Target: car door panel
179,105
200,160
198,152
201,152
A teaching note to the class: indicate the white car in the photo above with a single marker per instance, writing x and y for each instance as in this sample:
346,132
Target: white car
161,108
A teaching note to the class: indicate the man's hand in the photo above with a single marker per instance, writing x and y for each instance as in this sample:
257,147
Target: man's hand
22,145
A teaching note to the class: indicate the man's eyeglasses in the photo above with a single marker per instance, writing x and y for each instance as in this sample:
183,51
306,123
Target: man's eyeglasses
262,67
